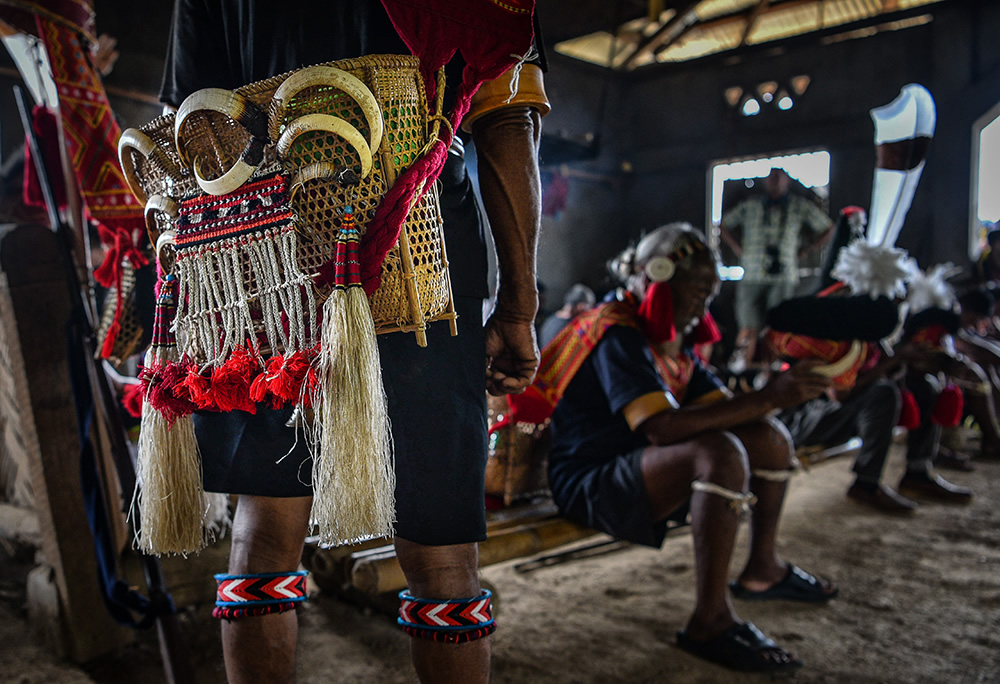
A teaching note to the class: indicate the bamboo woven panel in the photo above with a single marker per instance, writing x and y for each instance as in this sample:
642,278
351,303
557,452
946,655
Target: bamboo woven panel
213,142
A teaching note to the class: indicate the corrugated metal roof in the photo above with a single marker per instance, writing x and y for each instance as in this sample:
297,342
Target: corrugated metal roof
714,26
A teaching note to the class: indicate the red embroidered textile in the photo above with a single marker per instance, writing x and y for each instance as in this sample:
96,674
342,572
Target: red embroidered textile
91,137
90,127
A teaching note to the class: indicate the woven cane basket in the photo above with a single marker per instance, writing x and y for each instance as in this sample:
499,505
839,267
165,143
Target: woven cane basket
517,463
415,287
129,339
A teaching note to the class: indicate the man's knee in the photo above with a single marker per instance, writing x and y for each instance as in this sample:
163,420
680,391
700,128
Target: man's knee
450,571
722,459
268,534
768,444
882,402
443,601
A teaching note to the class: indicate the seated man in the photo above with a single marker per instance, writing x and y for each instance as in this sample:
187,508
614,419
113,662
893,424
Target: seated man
974,341
641,429
869,404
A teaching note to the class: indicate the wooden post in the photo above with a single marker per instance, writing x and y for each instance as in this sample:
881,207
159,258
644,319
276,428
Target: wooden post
35,307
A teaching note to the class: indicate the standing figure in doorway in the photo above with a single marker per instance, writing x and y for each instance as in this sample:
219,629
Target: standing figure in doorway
769,233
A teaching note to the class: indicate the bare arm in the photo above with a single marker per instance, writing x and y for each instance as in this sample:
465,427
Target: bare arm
507,149
793,387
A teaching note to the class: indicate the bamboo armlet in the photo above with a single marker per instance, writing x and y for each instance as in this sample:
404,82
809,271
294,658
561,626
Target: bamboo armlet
496,94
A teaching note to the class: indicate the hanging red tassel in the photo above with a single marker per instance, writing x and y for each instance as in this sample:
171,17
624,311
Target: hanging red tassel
259,392
160,382
948,408
909,412
656,313
108,348
707,331
285,380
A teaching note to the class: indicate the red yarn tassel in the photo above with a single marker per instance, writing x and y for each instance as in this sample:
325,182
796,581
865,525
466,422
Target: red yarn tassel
132,399
108,348
948,408
656,313
231,382
199,387
909,412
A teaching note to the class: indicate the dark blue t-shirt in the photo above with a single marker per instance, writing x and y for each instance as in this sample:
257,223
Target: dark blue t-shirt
588,425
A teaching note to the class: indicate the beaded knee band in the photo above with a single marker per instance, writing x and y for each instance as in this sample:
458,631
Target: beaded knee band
241,596
738,501
454,621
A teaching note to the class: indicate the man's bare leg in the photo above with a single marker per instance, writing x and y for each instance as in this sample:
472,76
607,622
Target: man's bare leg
717,458
268,536
768,449
445,572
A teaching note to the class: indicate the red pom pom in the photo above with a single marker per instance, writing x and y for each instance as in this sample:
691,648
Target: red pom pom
231,382
159,385
909,413
132,399
198,388
288,377
948,408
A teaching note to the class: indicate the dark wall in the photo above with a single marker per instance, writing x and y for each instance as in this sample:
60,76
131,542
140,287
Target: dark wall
669,122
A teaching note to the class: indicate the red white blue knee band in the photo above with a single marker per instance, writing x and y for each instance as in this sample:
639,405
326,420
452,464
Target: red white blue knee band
241,596
453,621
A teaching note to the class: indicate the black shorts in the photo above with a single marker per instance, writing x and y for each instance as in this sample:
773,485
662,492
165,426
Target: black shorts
609,497
437,405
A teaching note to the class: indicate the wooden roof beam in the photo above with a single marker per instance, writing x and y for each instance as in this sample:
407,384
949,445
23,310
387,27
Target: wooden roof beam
755,13
668,32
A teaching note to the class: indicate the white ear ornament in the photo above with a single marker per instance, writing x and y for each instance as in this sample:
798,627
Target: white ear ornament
659,269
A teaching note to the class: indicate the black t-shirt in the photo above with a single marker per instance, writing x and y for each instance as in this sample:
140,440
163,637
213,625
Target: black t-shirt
230,44
588,426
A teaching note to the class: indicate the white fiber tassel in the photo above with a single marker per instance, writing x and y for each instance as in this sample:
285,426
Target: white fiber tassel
218,520
169,495
353,477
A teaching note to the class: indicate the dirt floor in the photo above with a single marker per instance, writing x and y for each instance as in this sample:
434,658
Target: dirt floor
920,602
